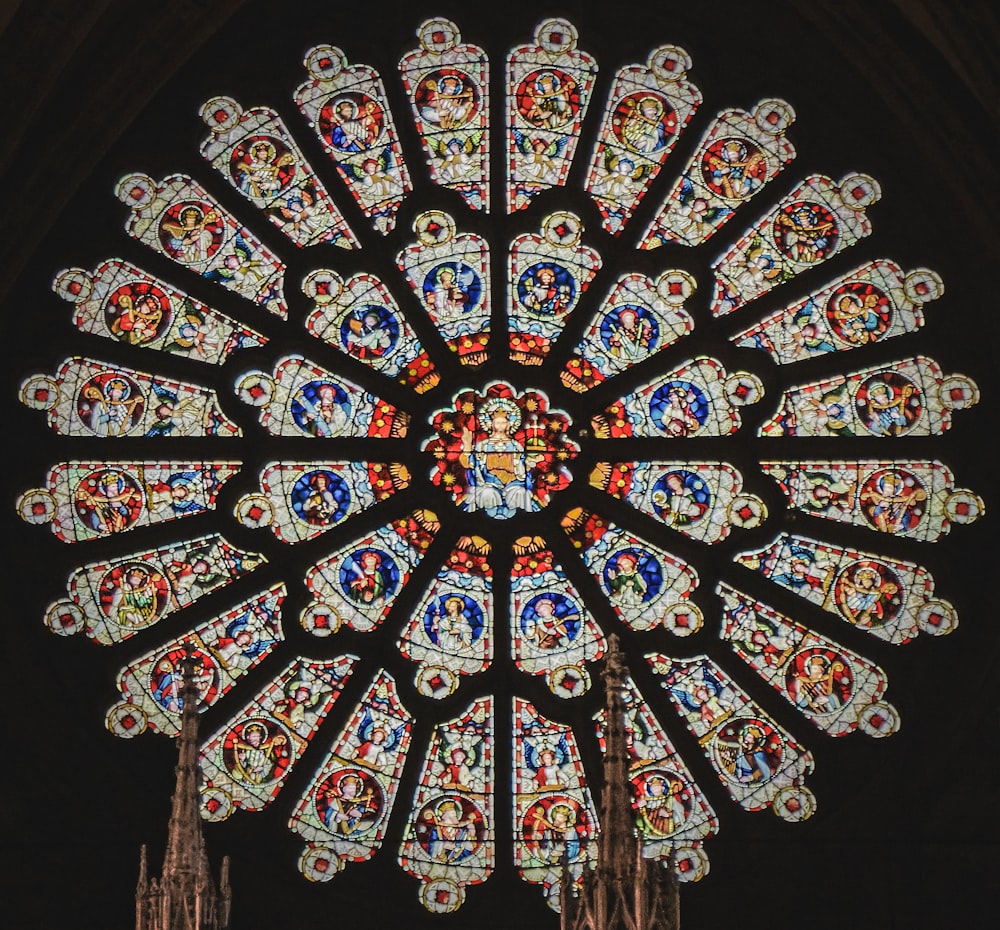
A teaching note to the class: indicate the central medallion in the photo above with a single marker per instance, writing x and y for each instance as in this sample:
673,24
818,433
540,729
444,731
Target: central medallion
499,451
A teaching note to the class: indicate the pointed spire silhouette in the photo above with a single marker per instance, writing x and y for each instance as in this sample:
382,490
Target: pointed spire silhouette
624,891
185,896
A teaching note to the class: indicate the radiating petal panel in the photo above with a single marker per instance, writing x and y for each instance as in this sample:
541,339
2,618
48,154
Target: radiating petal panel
548,90
449,840
672,813
646,585
697,398
648,107
739,153
113,600
358,584
555,822
86,397
300,500
344,811
552,631
548,275
89,500
887,597
759,763
450,274
817,220
347,107
247,761
837,689
448,85
911,397
451,630
917,500
179,219
224,649
638,318
301,399
703,500
872,303
120,301
254,151
361,318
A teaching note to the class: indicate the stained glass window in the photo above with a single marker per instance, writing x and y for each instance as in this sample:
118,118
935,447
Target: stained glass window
488,422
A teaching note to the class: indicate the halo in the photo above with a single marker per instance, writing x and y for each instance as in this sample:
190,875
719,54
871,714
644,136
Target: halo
491,406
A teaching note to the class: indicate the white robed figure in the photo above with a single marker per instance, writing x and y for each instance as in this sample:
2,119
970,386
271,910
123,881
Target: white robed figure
498,468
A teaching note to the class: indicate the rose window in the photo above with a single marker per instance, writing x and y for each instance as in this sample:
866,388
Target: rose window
395,414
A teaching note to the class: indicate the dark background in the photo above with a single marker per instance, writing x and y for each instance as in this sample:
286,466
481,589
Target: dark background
905,831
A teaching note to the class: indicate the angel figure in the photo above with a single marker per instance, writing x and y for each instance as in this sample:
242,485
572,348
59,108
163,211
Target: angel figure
378,177
299,212
549,761
539,154
621,177
453,159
